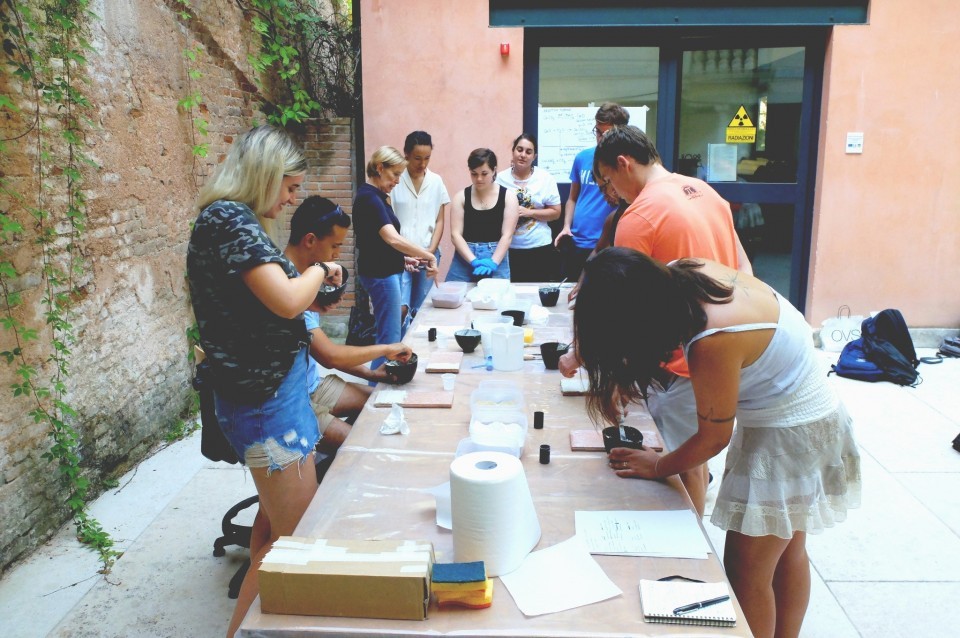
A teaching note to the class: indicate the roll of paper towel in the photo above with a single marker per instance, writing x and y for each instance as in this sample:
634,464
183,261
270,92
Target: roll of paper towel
492,511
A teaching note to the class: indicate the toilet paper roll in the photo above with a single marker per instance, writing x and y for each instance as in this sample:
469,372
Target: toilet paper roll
492,511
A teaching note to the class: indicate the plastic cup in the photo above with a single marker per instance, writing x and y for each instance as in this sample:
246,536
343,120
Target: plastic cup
449,379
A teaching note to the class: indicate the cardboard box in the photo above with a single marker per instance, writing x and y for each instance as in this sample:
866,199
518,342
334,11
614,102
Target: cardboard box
347,578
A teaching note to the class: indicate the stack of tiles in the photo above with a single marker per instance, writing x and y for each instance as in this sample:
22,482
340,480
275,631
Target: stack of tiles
462,585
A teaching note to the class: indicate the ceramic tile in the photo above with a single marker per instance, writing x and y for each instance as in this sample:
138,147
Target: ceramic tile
887,423
825,616
900,610
939,493
892,536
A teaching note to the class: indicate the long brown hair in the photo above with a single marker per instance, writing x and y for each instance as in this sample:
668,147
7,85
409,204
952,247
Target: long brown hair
632,313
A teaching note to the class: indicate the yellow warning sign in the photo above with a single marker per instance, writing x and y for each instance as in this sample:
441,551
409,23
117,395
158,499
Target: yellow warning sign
741,130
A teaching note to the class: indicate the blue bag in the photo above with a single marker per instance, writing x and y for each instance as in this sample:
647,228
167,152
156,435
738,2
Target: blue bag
853,364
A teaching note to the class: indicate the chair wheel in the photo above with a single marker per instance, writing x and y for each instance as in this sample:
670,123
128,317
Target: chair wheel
219,552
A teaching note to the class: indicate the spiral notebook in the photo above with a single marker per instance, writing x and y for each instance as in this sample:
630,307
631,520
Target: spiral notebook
659,598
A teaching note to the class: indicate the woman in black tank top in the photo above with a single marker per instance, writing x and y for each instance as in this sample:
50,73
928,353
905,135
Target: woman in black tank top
482,220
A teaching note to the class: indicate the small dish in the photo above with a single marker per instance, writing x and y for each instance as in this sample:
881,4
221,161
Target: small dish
329,294
468,340
401,372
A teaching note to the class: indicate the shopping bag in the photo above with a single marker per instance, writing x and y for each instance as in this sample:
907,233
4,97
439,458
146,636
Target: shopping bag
838,331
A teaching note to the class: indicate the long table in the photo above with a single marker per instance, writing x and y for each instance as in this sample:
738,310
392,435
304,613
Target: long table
376,489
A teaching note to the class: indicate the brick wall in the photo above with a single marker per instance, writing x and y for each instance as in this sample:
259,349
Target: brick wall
130,378
328,146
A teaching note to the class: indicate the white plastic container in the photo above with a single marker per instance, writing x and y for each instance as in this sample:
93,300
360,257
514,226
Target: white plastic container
499,428
489,293
506,346
485,324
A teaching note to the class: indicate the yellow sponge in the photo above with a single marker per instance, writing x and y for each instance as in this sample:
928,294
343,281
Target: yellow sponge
475,599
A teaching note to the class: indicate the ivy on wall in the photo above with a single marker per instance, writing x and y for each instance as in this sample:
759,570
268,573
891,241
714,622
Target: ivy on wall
310,56
44,52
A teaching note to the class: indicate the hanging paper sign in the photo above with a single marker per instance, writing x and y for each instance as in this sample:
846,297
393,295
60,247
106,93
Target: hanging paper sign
741,130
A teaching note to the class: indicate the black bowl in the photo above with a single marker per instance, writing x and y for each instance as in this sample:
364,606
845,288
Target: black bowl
549,296
401,372
329,295
517,315
629,437
551,351
468,340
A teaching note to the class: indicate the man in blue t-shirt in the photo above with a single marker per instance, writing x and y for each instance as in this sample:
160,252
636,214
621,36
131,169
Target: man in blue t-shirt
586,208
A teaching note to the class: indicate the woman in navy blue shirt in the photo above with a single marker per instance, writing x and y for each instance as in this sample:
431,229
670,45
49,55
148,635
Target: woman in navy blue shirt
382,253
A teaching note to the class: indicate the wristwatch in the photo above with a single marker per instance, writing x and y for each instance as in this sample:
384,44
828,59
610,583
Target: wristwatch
326,269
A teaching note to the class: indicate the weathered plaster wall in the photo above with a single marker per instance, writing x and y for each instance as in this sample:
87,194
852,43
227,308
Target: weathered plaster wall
435,65
886,232
129,372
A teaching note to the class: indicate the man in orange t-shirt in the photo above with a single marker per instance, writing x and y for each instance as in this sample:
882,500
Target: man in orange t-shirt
671,217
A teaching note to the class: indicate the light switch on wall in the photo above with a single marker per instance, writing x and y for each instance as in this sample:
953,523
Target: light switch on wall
855,142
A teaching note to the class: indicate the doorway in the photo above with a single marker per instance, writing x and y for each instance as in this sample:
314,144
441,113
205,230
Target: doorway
687,90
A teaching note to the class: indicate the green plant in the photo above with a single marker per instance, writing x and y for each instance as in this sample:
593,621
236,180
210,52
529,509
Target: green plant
181,429
193,104
44,47
310,58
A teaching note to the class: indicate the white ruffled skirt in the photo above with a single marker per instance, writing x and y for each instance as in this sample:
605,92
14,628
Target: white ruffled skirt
792,468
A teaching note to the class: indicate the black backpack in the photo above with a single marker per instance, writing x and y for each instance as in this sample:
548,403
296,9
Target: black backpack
887,343
884,352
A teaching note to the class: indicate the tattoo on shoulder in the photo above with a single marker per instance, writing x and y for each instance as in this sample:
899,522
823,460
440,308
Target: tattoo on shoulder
709,418
731,280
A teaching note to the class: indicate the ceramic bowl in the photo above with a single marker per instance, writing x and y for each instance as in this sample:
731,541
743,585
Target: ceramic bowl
551,351
468,340
517,315
400,372
622,436
549,296
329,295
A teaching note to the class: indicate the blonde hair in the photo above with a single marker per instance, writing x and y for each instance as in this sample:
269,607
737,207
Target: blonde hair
253,171
386,155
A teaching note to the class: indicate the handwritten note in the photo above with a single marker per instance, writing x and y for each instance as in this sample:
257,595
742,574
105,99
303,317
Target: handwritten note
670,533
565,131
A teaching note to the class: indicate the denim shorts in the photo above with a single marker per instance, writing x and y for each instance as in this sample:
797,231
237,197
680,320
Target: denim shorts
278,432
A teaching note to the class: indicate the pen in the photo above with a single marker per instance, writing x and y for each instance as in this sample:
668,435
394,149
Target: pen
686,609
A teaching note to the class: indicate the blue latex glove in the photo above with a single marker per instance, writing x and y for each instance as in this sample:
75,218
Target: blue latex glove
481,269
491,264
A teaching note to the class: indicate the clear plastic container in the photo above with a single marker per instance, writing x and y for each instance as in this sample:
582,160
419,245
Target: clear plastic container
449,294
498,427
497,395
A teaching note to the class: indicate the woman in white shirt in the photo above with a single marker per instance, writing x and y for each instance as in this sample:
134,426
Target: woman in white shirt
419,201
532,255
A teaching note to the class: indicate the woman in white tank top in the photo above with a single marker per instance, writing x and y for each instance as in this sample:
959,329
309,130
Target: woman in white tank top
792,465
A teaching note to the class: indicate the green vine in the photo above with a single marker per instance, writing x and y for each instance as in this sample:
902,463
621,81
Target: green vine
314,56
44,46
193,104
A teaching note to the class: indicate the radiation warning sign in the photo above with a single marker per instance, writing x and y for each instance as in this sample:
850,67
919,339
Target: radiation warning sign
741,130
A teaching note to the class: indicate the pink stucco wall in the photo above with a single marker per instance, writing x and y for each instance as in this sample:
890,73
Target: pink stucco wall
887,223
435,65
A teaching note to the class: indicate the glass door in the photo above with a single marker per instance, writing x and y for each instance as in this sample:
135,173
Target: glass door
735,107
739,127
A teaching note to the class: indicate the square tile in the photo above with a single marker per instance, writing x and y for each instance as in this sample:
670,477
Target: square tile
900,610
891,537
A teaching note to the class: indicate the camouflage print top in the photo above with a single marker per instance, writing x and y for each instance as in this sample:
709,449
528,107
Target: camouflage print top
249,347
